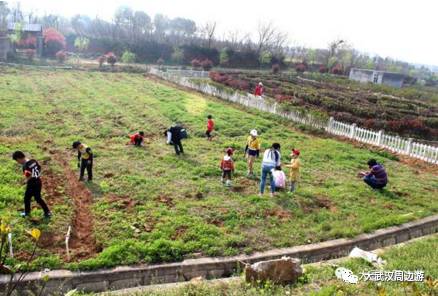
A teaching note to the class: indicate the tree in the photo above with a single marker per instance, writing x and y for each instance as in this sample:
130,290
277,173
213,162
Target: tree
265,57
208,31
4,12
224,57
161,26
177,55
82,43
111,59
53,42
142,25
81,24
128,57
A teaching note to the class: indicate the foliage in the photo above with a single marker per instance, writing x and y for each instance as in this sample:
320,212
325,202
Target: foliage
61,56
301,67
27,43
265,57
128,57
54,42
196,64
111,58
224,58
30,54
82,43
101,60
177,55
275,69
206,65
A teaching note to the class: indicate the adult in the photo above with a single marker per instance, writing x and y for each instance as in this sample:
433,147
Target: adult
271,160
137,139
259,90
252,150
174,137
85,160
376,177
32,173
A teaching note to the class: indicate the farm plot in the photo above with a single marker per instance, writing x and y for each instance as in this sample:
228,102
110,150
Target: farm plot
148,205
349,102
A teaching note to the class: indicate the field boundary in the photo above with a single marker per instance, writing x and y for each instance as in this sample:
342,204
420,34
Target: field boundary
395,144
61,281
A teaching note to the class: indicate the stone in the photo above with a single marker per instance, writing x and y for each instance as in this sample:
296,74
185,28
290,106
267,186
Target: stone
279,271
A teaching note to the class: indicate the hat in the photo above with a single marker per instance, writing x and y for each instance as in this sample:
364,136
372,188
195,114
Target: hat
230,151
254,133
295,152
260,83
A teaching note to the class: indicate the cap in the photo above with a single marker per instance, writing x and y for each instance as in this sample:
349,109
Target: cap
254,133
295,152
230,151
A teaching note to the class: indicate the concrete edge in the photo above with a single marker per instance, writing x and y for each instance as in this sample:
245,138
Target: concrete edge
122,277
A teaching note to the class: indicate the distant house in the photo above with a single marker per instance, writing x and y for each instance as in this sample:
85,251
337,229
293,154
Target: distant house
378,77
31,36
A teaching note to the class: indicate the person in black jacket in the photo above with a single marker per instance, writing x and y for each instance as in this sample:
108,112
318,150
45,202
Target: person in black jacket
32,173
174,137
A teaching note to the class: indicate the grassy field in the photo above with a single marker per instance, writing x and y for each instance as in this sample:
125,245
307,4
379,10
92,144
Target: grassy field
147,205
320,279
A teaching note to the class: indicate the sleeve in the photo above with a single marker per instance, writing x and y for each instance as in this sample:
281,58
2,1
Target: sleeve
295,164
222,164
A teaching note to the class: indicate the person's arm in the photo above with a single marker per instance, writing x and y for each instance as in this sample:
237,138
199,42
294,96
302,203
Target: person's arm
88,150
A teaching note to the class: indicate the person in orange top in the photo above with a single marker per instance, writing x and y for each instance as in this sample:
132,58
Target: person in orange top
259,90
137,139
210,127
227,167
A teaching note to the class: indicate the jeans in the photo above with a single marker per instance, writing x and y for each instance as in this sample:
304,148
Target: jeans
293,185
86,164
267,170
372,182
178,147
33,189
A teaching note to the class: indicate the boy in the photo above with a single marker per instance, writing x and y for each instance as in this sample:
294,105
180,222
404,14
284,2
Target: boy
85,160
210,127
174,136
377,177
137,139
252,150
227,167
259,90
32,173
294,166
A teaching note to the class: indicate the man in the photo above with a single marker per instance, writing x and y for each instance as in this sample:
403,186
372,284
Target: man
259,90
32,173
252,150
376,178
174,137
85,160
137,139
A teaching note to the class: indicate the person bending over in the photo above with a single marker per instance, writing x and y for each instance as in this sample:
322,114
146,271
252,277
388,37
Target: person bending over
376,177
85,160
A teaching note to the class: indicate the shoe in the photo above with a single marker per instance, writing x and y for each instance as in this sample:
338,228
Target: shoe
24,215
81,179
48,215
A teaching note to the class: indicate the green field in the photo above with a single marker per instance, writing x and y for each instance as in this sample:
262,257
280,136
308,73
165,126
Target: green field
148,205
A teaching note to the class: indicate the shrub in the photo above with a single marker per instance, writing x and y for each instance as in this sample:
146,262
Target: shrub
160,61
207,65
53,42
29,42
301,67
128,57
275,68
196,64
101,60
30,54
337,69
60,56
82,43
111,58
323,69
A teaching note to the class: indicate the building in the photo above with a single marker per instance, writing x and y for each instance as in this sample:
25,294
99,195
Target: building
378,77
30,32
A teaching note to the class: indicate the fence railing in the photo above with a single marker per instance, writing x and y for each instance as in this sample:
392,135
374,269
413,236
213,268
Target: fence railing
351,131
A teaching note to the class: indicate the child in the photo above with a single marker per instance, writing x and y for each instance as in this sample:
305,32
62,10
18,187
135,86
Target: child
294,166
85,160
210,127
252,150
279,178
227,167
137,139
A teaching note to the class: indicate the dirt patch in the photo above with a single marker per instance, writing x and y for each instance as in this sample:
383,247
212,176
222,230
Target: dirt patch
318,202
122,202
215,221
179,232
164,199
108,175
279,213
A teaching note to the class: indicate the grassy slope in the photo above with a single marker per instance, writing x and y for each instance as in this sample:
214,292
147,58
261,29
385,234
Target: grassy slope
153,206
417,255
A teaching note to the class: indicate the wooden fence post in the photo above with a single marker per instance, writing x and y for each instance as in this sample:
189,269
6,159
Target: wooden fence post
380,138
330,124
352,130
409,146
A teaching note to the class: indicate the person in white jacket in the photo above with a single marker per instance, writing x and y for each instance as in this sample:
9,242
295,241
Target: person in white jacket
271,160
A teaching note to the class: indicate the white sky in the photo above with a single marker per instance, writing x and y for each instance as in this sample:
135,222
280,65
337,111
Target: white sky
403,29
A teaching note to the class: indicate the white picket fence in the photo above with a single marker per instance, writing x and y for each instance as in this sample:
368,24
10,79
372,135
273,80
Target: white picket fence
351,131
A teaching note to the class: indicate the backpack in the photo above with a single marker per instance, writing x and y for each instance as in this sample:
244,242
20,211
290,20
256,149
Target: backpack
183,134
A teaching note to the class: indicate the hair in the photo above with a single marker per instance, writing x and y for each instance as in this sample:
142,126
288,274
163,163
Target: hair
278,168
209,117
76,144
18,155
141,133
372,162
276,146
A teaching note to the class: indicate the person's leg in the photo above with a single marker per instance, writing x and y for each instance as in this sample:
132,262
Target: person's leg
82,169
40,201
292,186
223,177
181,149
90,170
175,145
263,180
371,181
138,142
251,164
27,199
271,179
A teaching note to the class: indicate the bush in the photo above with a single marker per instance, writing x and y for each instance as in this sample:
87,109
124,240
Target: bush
207,65
160,62
82,43
301,67
337,69
111,58
60,56
30,54
101,60
323,69
196,64
53,42
275,68
128,57
29,42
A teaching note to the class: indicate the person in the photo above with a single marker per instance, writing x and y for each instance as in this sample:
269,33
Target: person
279,178
32,173
85,160
210,127
174,137
259,90
294,167
252,150
227,167
137,139
377,177
271,160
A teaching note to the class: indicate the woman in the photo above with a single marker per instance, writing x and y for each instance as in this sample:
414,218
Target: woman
271,160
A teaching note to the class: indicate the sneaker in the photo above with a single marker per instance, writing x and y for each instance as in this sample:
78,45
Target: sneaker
48,215
24,215
81,179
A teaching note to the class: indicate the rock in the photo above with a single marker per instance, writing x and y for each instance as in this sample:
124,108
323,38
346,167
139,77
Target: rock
280,271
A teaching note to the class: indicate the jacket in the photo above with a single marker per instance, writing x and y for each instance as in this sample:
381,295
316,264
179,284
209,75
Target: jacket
227,163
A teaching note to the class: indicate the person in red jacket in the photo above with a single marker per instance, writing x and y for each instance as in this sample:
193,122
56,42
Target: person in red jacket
137,139
227,167
210,127
259,90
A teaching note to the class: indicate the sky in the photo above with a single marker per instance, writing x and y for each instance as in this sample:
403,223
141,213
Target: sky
403,29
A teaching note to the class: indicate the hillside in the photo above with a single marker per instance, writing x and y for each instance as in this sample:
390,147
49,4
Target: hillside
147,205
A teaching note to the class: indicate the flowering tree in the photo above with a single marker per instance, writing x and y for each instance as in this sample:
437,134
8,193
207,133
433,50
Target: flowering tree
111,58
61,56
53,42
101,60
